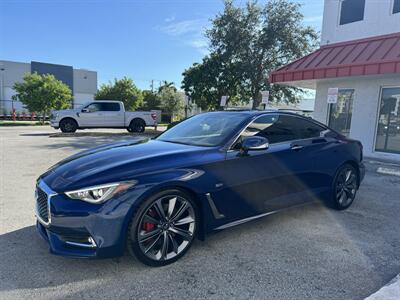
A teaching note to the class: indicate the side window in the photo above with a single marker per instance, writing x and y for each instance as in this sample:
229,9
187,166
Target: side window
283,128
351,11
110,106
276,128
106,106
93,107
396,6
307,129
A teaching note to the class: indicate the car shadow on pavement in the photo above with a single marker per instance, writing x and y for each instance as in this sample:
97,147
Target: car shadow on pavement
25,263
271,252
36,134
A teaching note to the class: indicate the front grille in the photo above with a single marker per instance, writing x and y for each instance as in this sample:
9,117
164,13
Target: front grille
42,205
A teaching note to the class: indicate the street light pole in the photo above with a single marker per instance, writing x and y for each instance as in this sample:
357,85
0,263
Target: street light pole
2,88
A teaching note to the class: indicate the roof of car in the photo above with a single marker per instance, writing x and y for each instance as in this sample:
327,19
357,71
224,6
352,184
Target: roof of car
258,112
252,113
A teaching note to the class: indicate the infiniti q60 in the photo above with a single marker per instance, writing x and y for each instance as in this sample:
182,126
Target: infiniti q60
209,172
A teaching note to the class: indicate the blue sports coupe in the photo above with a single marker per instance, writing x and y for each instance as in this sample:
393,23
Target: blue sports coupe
209,172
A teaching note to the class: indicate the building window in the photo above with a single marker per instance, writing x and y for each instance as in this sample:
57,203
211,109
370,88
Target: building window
396,6
340,112
351,11
388,130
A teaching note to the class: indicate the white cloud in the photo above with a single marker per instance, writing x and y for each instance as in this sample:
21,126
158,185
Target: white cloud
184,27
189,32
200,44
169,19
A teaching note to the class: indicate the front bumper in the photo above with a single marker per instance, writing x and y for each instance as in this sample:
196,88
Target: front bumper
55,124
80,229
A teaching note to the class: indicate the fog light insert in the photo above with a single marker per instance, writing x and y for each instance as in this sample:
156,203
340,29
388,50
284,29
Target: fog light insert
81,242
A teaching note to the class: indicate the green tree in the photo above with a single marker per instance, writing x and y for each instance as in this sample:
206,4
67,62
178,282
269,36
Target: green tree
151,100
248,43
172,101
122,90
208,81
42,93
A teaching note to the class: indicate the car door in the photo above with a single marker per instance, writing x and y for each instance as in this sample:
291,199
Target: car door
320,146
91,116
113,114
266,180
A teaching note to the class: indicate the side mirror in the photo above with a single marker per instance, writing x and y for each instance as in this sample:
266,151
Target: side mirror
85,110
254,143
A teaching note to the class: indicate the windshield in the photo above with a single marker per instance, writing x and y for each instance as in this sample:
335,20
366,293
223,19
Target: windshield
208,129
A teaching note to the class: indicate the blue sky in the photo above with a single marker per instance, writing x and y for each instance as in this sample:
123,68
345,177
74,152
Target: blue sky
141,39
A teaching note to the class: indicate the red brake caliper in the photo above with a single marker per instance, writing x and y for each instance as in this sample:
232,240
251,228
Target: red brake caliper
149,226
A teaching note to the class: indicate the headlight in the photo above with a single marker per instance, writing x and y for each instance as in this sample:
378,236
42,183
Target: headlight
100,193
53,116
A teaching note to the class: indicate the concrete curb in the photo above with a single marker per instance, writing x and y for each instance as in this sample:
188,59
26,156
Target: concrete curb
388,171
382,167
391,291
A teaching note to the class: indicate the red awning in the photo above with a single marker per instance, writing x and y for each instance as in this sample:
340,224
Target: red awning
371,56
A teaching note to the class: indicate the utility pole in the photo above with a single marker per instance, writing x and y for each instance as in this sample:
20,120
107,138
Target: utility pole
152,86
2,102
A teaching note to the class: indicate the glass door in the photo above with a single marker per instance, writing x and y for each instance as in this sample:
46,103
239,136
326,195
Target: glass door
341,111
388,130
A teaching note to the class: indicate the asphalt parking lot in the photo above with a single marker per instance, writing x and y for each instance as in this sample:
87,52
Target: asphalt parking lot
309,252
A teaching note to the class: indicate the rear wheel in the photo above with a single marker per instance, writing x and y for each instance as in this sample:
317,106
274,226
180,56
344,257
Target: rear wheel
137,125
344,187
163,228
68,125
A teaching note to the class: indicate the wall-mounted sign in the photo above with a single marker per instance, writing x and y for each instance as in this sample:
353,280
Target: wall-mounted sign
265,97
332,95
223,101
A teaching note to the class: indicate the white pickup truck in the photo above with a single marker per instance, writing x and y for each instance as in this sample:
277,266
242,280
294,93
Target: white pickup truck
102,114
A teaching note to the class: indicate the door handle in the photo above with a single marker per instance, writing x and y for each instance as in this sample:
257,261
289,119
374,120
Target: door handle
297,147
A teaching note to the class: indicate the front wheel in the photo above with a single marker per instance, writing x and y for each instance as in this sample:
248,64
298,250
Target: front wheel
68,125
163,228
344,187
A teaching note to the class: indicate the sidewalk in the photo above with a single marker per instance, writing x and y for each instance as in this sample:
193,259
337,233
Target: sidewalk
384,167
391,291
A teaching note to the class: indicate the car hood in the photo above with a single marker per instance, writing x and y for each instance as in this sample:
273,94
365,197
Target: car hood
118,162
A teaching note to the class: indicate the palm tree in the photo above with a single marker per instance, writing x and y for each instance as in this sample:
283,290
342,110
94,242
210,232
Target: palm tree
166,85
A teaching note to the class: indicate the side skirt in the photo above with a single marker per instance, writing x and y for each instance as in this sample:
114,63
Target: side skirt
241,221
238,222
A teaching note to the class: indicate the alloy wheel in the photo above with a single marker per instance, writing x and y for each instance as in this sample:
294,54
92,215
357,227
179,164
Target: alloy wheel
166,228
346,187
68,126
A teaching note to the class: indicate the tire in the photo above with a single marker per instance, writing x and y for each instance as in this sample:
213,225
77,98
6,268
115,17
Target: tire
157,239
137,125
68,125
344,187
